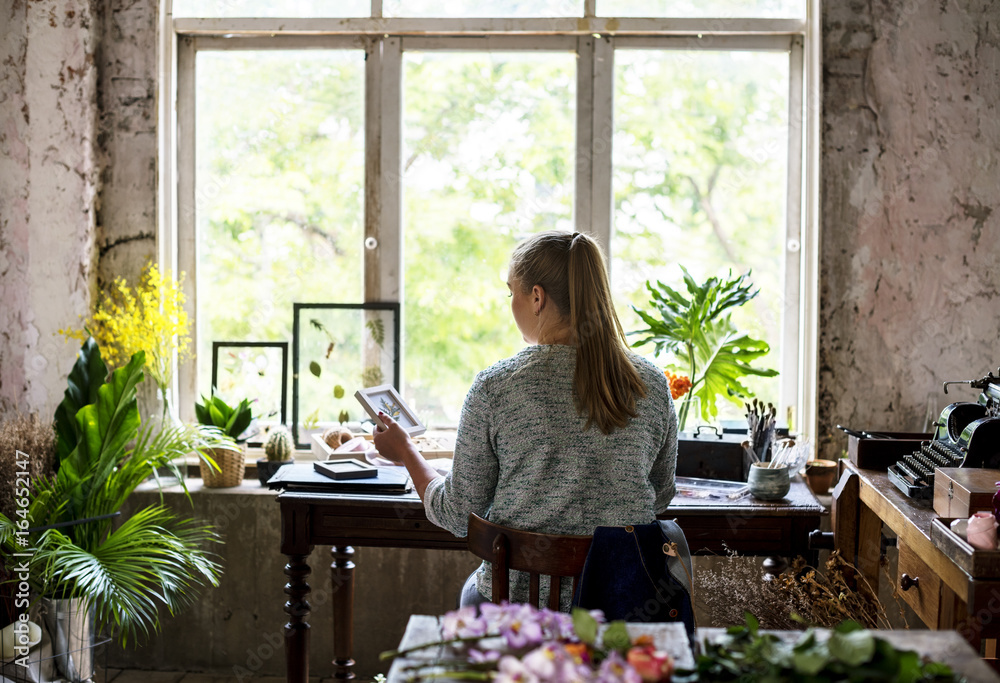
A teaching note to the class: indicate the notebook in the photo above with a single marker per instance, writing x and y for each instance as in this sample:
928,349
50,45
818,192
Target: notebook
303,477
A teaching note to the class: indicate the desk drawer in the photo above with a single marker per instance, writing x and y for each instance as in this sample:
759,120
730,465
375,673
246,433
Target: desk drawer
921,589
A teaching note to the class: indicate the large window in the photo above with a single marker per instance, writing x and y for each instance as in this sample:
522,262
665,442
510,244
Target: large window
398,157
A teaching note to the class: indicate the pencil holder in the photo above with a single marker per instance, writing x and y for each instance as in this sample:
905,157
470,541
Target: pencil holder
768,484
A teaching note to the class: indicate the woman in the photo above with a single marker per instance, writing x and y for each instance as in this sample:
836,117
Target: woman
573,432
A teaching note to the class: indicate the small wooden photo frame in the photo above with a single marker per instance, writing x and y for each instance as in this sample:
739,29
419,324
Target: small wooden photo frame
384,398
341,470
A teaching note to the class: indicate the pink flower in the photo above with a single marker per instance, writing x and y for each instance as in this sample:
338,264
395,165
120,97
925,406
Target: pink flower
481,657
651,664
462,623
614,669
512,670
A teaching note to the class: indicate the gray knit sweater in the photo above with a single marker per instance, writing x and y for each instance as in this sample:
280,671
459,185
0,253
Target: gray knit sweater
523,459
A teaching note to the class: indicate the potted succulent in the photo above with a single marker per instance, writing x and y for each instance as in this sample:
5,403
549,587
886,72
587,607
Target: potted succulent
698,332
86,561
228,463
278,450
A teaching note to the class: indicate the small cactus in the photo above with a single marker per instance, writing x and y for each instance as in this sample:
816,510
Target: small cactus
278,447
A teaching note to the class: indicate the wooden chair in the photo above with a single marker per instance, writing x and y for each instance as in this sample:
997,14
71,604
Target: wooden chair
555,556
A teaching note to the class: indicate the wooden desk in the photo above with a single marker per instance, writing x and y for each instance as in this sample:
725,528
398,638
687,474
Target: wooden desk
943,595
942,646
748,526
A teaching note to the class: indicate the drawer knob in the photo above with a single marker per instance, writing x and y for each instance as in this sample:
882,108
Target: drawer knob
905,582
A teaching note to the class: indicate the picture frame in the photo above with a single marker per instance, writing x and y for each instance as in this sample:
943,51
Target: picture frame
336,349
386,399
249,364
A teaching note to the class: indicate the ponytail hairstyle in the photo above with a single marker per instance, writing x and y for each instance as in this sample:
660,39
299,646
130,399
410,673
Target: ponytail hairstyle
570,268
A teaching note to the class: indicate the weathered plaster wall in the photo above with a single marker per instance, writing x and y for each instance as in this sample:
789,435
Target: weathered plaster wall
48,188
910,265
127,98
77,176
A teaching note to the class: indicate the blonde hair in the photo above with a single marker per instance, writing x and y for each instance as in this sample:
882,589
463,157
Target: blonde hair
570,268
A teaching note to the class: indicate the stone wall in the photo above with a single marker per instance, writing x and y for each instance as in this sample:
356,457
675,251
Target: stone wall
910,263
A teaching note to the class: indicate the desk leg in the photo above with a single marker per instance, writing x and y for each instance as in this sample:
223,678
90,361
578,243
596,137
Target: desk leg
297,630
342,573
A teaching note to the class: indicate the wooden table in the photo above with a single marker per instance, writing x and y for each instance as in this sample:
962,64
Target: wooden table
942,594
942,646
748,526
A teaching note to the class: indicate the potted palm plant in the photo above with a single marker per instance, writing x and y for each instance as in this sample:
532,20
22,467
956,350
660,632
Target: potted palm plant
228,462
698,332
111,573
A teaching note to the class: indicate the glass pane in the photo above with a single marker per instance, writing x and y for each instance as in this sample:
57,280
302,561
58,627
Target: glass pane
700,161
280,191
765,9
482,8
268,8
488,158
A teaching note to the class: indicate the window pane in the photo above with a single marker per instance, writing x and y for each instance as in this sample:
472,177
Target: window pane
482,8
280,188
765,9
268,8
700,161
488,158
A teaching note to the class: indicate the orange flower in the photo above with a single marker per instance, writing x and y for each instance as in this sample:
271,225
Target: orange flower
654,666
679,384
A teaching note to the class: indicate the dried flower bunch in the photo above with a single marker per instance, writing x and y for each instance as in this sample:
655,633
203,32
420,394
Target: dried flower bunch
798,597
516,643
30,435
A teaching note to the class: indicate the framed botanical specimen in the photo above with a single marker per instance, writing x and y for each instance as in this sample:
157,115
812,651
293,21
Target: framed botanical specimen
256,370
336,350
386,399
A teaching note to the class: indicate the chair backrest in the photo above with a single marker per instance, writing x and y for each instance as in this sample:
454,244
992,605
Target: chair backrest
556,556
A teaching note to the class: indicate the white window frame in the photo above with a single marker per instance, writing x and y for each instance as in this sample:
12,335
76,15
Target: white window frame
594,39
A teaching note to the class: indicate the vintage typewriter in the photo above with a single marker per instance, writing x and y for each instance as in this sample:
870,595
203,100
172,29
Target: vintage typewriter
966,435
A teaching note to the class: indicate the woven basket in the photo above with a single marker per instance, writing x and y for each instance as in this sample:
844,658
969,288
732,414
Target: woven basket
231,464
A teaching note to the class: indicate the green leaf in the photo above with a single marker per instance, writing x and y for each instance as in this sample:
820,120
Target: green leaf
376,327
848,626
85,379
616,636
585,626
853,649
217,418
811,661
315,368
338,391
697,329
753,625
109,423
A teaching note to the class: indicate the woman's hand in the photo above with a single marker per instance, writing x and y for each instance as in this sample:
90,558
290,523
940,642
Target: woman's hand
390,439
394,444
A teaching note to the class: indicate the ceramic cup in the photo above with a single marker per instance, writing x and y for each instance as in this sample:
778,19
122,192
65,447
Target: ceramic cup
959,527
982,531
766,483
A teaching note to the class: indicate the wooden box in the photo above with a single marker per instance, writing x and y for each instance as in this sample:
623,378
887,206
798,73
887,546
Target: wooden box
878,454
709,455
960,491
976,563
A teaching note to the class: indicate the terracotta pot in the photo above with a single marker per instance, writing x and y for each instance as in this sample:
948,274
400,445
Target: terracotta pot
820,475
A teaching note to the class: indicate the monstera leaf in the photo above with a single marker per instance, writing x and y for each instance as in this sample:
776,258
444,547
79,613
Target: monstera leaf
697,329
